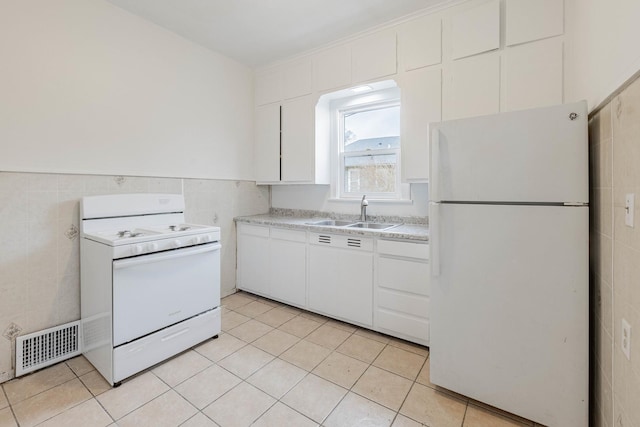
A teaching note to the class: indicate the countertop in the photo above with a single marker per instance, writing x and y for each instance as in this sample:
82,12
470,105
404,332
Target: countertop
406,231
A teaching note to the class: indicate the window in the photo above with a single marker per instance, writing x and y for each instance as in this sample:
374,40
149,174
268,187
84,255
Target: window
367,141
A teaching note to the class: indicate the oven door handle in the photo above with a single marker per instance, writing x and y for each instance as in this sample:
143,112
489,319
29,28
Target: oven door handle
148,259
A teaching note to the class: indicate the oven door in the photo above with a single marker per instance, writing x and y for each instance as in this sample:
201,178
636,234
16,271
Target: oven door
153,291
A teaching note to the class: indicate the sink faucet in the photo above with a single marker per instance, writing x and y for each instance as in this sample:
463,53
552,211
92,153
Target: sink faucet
363,208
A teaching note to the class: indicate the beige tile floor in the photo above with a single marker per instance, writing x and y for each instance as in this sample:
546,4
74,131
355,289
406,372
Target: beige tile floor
272,366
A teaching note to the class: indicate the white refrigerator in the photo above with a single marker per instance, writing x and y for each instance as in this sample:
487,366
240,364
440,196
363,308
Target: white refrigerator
509,224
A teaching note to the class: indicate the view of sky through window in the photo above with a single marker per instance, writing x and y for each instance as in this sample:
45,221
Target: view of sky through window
376,123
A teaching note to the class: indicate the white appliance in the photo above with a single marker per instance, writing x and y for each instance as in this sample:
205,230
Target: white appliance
509,280
150,284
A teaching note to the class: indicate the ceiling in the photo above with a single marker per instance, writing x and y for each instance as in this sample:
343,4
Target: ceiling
258,32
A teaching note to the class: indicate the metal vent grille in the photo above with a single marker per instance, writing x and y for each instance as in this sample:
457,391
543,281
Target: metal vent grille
354,243
40,349
324,239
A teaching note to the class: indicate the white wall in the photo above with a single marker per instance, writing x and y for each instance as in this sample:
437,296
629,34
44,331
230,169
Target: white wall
89,88
602,47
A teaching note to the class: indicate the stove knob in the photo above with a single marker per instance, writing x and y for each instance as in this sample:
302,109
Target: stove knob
176,243
197,240
206,238
137,249
152,247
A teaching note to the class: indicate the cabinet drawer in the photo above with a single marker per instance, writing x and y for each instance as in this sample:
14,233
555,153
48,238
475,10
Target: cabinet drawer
403,249
342,241
254,230
399,323
414,305
403,275
291,235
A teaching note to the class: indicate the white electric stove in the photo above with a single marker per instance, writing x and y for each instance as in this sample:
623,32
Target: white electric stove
150,283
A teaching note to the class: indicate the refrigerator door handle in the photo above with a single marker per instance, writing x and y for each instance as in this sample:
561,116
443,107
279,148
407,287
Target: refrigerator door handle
435,165
434,238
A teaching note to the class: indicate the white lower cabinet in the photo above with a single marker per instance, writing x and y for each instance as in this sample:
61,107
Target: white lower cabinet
287,269
273,262
253,258
401,303
341,277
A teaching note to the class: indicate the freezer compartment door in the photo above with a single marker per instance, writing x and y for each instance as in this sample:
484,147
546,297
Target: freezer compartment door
509,323
538,155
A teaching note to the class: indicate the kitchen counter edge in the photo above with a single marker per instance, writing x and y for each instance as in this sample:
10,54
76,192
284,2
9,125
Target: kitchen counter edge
416,232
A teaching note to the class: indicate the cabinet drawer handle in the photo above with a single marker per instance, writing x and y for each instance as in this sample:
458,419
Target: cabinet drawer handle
175,335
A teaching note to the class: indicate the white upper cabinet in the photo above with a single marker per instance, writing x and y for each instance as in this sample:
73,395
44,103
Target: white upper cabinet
332,68
284,82
420,42
476,30
298,140
266,152
473,87
421,92
268,87
529,20
533,75
374,56
297,79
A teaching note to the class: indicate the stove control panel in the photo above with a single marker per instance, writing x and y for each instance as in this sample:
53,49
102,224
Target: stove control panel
136,249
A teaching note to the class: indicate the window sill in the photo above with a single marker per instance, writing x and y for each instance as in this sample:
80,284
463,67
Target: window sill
376,201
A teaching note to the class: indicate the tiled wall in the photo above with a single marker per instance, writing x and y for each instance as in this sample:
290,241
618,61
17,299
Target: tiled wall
615,259
39,250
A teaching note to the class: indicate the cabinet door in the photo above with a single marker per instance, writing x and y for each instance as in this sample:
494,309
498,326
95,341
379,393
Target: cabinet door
298,79
472,87
287,269
253,258
374,56
420,42
533,75
529,20
421,104
268,87
340,283
298,137
476,30
266,154
332,68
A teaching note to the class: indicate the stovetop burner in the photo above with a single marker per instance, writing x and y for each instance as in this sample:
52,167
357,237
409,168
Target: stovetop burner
127,233
179,227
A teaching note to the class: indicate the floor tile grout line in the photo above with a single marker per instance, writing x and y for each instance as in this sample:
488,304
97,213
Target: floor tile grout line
396,412
68,409
152,368
466,408
50,388
388,343
156,398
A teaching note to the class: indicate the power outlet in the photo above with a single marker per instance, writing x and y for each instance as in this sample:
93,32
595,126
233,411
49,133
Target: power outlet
629,206
626,339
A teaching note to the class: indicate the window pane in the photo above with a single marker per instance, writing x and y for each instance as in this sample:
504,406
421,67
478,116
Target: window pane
370,173
372,129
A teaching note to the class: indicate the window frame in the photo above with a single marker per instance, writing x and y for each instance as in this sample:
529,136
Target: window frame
380,99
